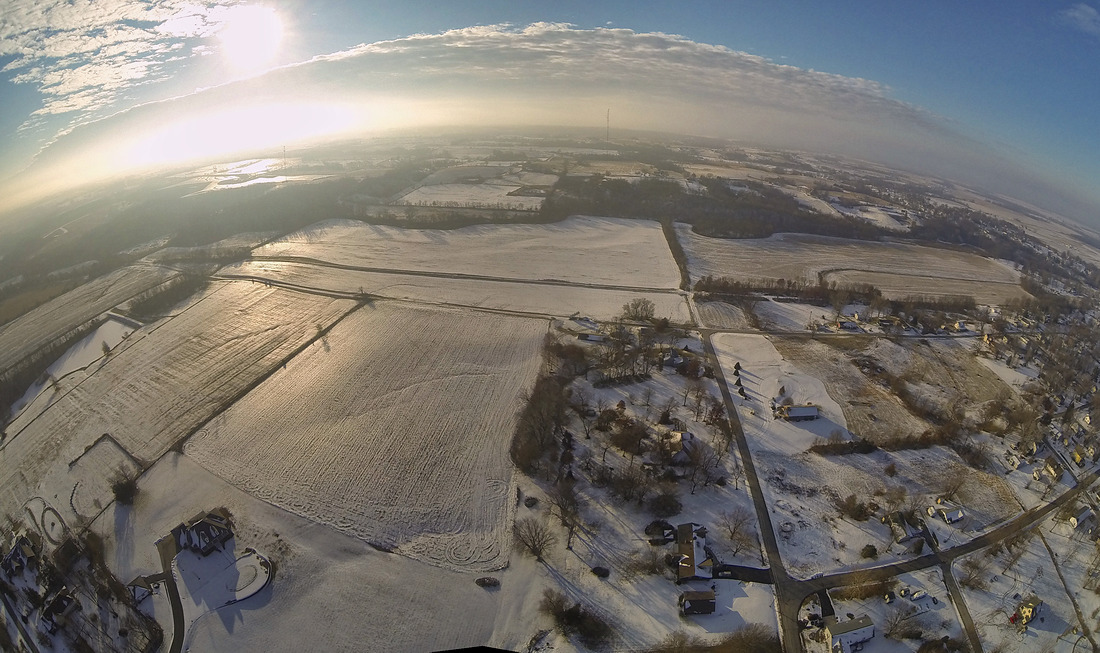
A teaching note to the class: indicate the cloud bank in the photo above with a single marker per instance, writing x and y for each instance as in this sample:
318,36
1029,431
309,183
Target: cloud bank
551,74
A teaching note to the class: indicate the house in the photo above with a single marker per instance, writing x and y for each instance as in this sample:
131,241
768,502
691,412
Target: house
691,540
204,532
592,337
695,602
1083,515
23,554
898,528
1052,468
798,413
844,637
1026,611
1079,455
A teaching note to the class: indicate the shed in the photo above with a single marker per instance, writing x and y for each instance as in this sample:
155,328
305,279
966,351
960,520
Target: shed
799,413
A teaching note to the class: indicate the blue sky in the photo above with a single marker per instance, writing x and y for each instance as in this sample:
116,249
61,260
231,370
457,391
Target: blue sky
1022,78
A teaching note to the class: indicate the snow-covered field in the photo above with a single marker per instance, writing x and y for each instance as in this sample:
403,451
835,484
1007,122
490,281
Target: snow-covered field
538,299
903,268
38,328
491,194
581,249
721,315
164,380
763,374
393,428
900,285
82,354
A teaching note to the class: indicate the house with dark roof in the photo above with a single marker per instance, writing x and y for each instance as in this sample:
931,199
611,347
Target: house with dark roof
204,533
23,554
697,602
57,611
691,540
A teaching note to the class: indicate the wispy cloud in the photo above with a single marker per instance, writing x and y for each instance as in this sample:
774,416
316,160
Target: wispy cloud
1082,17
83,55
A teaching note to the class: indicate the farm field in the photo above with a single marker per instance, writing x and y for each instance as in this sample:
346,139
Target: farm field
163,381
393,428
543,300
492,194
30,332
908,269
898,286
580,249
722,315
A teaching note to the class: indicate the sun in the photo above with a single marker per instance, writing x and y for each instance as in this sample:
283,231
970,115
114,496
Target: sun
250,37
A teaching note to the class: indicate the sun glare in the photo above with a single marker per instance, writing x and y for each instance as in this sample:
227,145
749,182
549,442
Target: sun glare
239,129
250,37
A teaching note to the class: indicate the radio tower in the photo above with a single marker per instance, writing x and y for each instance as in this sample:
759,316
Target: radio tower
607,132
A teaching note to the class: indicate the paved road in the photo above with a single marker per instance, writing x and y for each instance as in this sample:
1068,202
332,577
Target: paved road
791,592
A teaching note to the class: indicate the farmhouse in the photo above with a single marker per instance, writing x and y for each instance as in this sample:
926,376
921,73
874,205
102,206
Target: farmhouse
690,542
696,602
204,532
798,413
844,637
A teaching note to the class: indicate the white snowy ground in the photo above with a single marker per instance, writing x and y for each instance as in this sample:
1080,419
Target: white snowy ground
394,428
1004,586
78,357
1016,377
491,194
934,619
581,249
166,379
545,300
378,601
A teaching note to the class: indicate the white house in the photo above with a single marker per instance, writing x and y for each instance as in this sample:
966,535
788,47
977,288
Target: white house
843,637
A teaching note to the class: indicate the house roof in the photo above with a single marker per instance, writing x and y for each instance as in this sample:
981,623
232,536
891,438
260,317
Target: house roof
841,628
698,595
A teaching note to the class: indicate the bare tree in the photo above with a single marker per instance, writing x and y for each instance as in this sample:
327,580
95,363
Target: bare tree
703,460
894,626
534,536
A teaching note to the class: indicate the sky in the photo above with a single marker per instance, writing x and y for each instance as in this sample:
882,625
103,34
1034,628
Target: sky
1002,94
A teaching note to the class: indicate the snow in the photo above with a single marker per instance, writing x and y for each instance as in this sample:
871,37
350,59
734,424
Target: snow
80,356
399,438
542,299
485,195
50,322
380,601
901,268
581,249
763,374
165,380
1016,377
